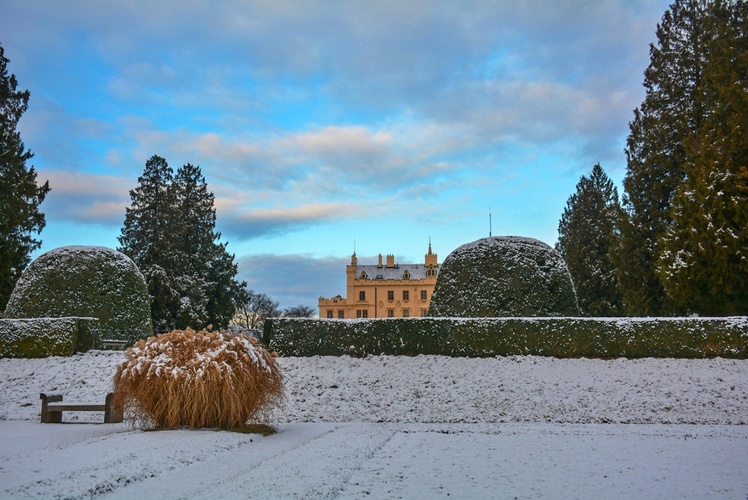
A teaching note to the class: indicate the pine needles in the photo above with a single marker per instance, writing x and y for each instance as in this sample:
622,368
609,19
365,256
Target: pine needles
197,380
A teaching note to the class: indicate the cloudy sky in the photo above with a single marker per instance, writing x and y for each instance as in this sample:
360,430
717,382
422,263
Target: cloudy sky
318,124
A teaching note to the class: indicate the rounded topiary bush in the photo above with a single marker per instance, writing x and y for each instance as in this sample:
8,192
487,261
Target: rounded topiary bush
504,276
84,281
197,379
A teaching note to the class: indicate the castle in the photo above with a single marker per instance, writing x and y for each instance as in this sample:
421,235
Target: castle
385,290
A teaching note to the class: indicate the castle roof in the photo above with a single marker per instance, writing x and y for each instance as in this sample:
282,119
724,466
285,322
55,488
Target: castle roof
374,272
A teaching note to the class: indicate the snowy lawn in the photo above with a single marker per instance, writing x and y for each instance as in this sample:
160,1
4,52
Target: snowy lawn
398,427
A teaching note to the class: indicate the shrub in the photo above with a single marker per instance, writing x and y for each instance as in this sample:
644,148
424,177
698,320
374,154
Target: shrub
42,337
84,281
504,276
484,337
197,379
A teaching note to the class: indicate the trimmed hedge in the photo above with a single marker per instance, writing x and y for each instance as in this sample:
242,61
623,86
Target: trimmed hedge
84,281
42,337
504,276
487,337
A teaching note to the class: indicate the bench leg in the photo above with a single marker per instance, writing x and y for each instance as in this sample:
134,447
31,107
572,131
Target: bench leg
50,417
112,413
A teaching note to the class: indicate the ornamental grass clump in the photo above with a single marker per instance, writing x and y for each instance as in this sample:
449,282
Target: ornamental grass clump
197,380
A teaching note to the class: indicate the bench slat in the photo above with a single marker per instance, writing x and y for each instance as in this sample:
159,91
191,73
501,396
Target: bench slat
75,407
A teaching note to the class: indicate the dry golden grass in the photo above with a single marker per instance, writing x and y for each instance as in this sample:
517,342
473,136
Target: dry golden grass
197,380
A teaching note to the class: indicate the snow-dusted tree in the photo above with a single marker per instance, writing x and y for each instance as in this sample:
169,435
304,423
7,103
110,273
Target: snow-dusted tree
704,252
170,233
147,237
20,196
677,104
208,271
586,236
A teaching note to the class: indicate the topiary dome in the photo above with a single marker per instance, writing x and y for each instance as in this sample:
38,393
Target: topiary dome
84,281
504,276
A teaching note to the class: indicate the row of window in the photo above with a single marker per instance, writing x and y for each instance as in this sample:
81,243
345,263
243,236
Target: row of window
391,295
431,271
364,313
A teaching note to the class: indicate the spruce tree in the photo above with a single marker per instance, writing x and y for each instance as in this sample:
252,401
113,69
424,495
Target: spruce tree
207,270
586,235
704,260
20,196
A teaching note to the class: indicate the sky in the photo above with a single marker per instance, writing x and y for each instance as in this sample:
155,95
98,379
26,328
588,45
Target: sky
324,127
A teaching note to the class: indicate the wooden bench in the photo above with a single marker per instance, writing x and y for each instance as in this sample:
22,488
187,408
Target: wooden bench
53,406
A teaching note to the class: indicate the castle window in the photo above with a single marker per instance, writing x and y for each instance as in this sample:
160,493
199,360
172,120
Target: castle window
390,295
341,314
364,276
406,275
406,313
361,295
424,295
329,313
406,295
390,313
362,313
424,313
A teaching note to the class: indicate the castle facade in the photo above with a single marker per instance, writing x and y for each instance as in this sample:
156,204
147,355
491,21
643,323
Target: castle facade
384,290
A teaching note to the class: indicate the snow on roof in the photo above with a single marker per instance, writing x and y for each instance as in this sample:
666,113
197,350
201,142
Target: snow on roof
374,272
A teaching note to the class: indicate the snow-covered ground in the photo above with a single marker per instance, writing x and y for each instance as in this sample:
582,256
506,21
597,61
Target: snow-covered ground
399,427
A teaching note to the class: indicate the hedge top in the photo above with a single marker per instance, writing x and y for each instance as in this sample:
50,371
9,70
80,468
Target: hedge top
504,276
83,281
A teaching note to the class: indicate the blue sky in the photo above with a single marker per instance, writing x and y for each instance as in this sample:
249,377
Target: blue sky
321,123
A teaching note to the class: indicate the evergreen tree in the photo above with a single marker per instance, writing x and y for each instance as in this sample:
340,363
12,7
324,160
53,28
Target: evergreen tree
704,259
675,108
147,238
586,235
170,233
207,269
20,196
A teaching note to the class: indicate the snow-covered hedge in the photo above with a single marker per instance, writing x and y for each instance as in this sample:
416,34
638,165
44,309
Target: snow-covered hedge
84,281
502,277
484,337
42,337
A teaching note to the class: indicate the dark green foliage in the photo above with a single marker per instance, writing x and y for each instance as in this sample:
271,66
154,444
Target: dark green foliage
687,133
704,253
504,276
146,238
485,337
43,337
20,196
92,282
586,239
169,232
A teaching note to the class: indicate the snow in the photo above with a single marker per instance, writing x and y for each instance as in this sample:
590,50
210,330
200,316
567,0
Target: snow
401,427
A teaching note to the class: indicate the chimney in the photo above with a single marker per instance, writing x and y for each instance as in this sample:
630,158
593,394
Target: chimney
390,260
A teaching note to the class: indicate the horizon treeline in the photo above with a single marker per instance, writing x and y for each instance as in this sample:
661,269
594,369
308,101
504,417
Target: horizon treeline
677,242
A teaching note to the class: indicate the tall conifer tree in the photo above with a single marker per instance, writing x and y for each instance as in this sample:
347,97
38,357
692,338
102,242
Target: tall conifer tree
170,233
147,237
586,235
20,196
704,259
677,105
